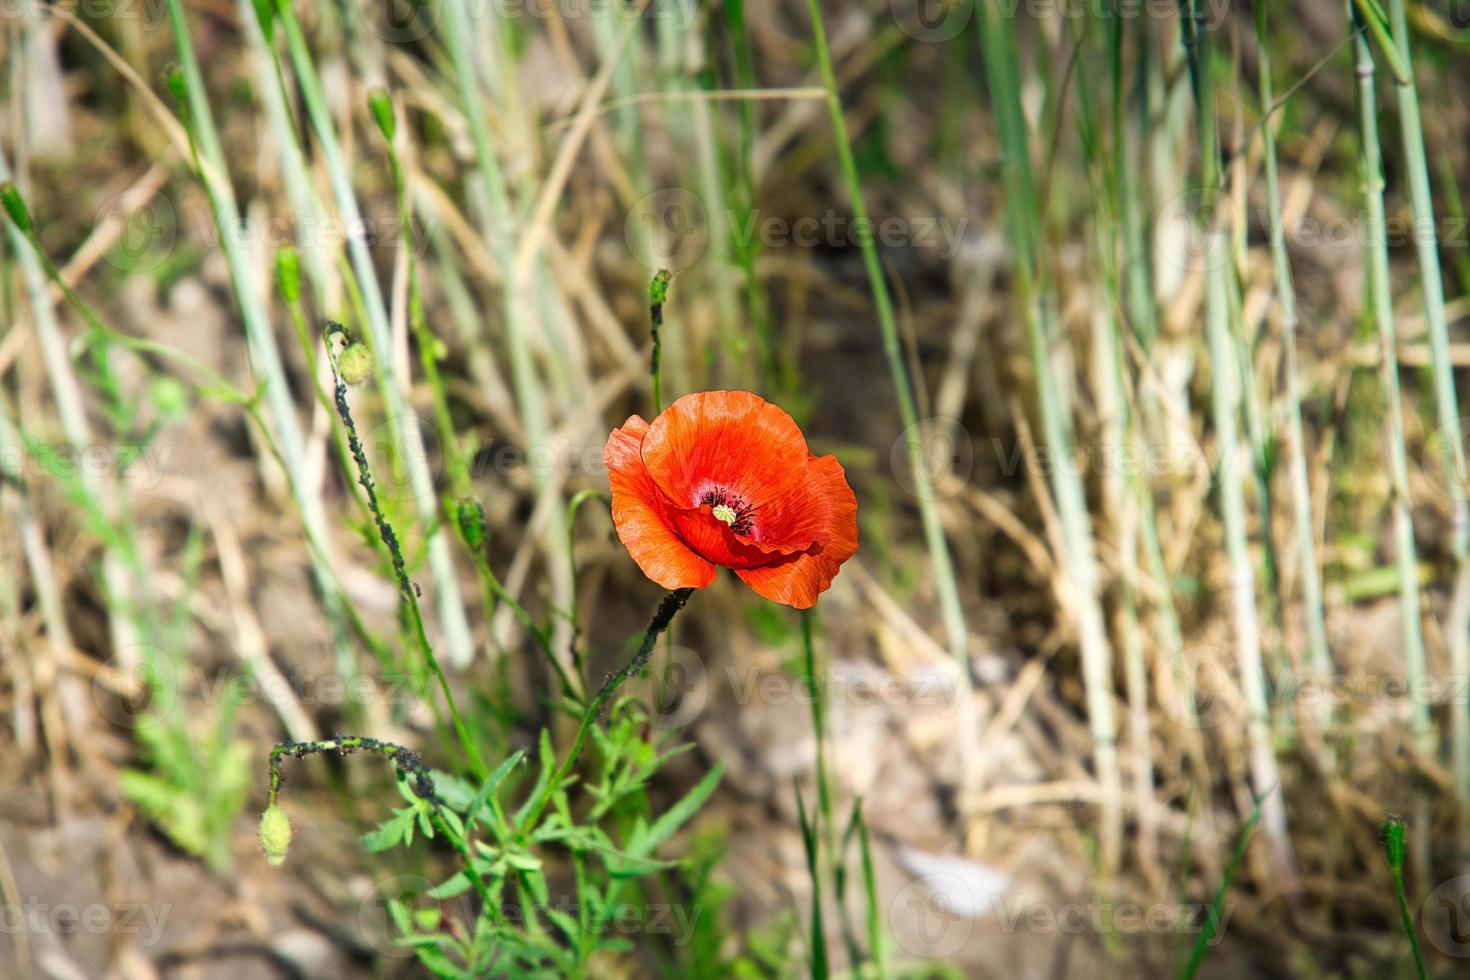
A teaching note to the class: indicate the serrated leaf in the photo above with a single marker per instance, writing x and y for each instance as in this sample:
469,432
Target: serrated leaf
397,829
568,925
453,791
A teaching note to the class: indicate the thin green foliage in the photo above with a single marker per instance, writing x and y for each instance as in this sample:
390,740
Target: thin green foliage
1393,849
658,294
1207,936
408,592
945,583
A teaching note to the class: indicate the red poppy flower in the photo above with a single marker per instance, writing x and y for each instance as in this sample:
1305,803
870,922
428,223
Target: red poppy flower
725,478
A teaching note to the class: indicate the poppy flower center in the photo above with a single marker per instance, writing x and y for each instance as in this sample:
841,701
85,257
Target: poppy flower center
729,509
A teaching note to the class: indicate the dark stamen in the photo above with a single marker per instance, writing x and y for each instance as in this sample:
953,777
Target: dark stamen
719,496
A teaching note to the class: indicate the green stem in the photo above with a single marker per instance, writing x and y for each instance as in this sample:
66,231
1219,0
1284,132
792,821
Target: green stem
999,42
1431,280
658,292
1393,847
1301,493
667,609
404,423
410,767
1401,504
407,590
945,583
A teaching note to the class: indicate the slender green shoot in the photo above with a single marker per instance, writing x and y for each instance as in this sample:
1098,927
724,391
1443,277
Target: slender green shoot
1393,849
667,610
811,840
1206,937
658,292
999,45
1431,281
1380,290
407,590
404,423
1301,495
945,583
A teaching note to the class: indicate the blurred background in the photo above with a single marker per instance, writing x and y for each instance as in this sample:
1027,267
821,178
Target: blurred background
1138,328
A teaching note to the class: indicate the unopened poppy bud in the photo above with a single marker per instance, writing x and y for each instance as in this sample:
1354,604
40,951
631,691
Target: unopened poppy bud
275,834
355,364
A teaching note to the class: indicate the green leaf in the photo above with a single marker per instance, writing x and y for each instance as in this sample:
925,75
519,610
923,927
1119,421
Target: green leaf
454,886
548,763
401,914
490,785
523,860
15,206
454,792
624,865
397,829
568,925
438,963
676,815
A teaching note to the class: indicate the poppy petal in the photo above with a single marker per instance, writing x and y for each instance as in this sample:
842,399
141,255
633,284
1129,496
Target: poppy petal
731,440
830,509
712,539
810,514
639,514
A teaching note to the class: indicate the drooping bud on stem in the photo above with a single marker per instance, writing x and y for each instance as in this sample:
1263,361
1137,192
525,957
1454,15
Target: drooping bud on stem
355,363
275,834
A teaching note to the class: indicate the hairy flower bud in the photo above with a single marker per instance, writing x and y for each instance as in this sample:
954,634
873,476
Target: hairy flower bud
275,834
355,364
